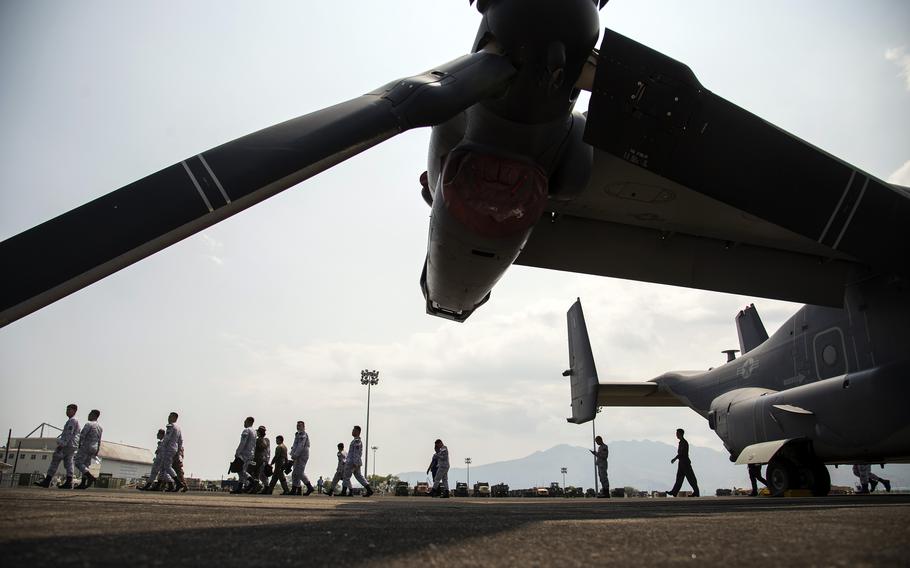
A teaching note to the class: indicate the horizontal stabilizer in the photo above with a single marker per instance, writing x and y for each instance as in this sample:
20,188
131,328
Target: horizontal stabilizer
635,394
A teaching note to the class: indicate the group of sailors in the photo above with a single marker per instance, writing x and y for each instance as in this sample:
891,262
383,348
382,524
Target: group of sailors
259,471
255,465
76,448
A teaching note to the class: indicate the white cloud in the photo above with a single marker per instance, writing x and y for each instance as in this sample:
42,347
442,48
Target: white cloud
901,58
901,175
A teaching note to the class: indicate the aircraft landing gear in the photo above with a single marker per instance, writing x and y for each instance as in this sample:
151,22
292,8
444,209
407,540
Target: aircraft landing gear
781,476
785,474
821,485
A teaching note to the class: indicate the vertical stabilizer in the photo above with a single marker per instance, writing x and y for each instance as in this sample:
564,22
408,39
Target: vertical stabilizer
750,329
582,372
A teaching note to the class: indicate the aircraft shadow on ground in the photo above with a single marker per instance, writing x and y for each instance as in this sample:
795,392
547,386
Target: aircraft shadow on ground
350,532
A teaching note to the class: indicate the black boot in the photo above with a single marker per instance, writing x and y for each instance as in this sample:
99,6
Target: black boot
91,480
445,494
369,491
887,484
238,488
45,483
68,484
309,489
83,483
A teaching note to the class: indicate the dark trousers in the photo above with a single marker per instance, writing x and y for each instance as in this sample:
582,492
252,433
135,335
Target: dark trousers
177,464
684,470
278,476
755,475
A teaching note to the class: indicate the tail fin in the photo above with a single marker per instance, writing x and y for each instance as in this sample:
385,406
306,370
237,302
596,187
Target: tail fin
750,329
582,372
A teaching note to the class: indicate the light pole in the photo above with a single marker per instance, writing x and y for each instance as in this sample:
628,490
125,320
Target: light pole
368,378
374,448
467,462
564,470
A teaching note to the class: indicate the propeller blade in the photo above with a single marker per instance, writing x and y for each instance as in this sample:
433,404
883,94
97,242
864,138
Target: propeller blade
651,111
60,256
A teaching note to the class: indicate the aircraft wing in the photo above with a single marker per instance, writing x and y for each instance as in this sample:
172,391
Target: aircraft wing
690,190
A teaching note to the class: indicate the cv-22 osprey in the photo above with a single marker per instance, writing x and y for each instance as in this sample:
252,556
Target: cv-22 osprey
829,387
660,180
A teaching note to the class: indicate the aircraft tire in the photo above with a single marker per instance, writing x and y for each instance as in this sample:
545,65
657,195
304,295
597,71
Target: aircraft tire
781,476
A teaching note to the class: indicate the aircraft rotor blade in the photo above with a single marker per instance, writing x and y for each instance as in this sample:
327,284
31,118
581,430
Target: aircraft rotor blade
60,256
650,110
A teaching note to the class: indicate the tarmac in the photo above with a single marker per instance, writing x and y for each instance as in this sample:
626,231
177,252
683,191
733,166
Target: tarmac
52,527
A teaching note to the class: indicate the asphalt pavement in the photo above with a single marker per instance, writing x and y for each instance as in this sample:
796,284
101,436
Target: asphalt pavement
52,527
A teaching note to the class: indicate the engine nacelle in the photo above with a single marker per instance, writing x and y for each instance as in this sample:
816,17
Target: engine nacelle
484,208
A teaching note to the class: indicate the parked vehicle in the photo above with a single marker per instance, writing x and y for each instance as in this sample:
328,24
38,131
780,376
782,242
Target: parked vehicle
402,489
461,489
422,489
482,489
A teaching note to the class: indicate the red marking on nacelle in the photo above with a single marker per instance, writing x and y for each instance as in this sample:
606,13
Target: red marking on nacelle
492,195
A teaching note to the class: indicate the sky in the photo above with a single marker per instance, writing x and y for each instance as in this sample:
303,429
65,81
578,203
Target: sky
274,312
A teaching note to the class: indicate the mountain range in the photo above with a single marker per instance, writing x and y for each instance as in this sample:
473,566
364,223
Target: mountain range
643,464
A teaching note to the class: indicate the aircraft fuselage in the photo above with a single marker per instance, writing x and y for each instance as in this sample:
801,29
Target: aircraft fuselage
837,377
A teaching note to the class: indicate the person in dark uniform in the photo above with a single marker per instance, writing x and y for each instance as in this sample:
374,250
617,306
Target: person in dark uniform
278,462
754,477
600,460
684,470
